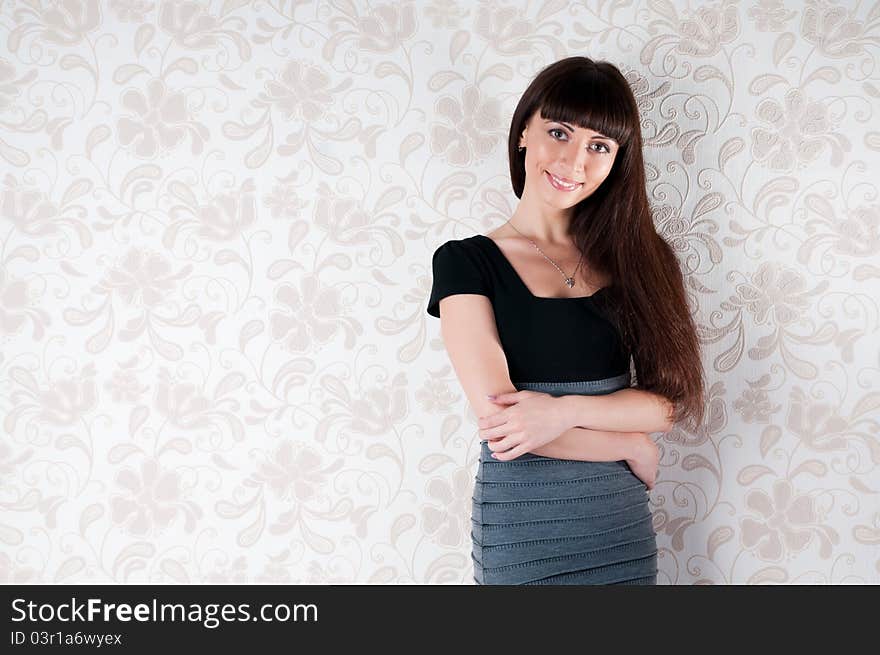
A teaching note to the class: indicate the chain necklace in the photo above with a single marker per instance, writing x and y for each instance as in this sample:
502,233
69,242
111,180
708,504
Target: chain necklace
569,281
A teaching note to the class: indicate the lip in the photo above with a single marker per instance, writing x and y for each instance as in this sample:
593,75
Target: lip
565,180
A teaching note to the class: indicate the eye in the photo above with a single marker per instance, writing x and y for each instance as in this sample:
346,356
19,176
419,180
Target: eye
554,130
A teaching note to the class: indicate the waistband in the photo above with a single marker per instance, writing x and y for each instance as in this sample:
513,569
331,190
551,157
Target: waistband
580,387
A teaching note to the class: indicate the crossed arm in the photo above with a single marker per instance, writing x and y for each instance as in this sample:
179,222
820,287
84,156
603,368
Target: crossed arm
603,424
630,409
608,420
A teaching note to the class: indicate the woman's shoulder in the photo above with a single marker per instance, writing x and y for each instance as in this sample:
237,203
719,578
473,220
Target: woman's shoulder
474,238
466,253
464,244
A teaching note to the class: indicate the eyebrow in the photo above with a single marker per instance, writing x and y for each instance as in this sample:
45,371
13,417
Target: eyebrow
595,136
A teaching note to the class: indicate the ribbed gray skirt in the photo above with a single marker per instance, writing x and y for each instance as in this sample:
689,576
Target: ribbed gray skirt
542,520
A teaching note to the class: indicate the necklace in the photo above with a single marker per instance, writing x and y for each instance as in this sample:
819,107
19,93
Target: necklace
569,281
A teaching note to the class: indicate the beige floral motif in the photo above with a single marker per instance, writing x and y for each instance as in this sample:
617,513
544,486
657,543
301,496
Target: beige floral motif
829,27
787,523
162,121
131,11
448,523
151,500
472,130
504,28
858,232
386,27
284,201
10,88
9,461
775,294
302,93
435,396
233,573
711,27
770,15
754,406
276,569
189,24
125,385
67,400
314,316
374,412
798,134
16,307
321,573
67,23
186,405
182,403
228,214
224,218
816,423
12,573
29,210
293,475
143,278
345,221
850,232
445,14
683,233
641,88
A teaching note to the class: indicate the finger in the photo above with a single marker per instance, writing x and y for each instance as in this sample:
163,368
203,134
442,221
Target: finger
495,444
492,420
496,432
513,453
500,444
503,447
505,398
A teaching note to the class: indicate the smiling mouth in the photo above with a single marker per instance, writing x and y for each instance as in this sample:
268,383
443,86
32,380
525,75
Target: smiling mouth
561,183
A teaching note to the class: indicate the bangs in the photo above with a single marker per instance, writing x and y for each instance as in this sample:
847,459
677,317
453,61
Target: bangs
589,103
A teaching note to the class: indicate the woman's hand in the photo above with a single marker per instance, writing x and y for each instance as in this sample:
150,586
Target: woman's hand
533,419
645,458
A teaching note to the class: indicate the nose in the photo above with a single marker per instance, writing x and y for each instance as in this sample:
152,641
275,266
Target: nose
577,169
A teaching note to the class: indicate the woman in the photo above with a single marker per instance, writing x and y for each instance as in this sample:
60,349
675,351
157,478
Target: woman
545,312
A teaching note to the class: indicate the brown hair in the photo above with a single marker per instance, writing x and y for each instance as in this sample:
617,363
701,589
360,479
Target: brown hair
614,229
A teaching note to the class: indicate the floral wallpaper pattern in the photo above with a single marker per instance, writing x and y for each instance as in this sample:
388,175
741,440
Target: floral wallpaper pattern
216,227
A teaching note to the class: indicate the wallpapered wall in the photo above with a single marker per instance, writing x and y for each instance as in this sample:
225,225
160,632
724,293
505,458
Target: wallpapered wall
215,255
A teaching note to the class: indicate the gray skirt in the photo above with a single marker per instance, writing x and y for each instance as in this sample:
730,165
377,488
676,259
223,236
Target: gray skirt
542,520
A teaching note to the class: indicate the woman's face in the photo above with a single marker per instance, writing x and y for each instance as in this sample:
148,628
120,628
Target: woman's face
579,156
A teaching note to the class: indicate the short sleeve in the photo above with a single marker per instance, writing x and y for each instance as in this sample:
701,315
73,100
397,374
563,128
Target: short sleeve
456,270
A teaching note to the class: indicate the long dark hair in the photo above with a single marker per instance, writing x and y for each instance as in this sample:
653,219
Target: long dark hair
614,229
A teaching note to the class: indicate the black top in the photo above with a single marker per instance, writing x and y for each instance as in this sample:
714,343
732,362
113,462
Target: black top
544,339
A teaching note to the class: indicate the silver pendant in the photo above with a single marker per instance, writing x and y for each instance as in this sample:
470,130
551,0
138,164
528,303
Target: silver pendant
570,282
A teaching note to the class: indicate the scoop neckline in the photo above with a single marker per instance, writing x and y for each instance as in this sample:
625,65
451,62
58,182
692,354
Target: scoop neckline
520,281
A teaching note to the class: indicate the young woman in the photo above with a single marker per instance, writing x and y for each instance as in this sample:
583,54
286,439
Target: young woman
545,312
